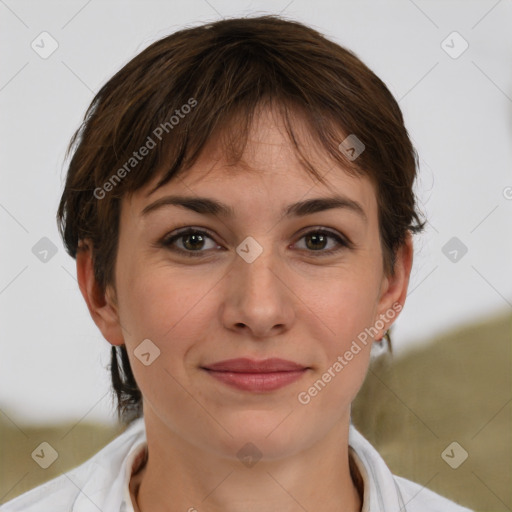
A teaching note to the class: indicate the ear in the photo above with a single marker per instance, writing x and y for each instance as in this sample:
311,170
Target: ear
102,305
393,290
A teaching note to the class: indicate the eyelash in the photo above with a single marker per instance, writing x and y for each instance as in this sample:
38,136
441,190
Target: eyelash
167,242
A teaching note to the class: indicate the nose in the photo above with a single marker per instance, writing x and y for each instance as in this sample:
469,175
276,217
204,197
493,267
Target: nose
257,298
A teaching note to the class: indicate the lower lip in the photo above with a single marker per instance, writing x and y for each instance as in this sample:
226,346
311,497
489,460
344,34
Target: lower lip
258,381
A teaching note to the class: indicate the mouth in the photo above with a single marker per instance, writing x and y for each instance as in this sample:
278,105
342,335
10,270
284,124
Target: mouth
256,376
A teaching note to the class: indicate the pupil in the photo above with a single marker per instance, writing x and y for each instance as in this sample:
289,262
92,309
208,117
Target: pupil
198,239
317,239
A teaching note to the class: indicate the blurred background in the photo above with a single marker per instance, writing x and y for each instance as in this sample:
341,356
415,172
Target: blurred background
449,66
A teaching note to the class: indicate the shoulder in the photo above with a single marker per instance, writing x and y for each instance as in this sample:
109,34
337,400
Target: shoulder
56,492
97,481
385,492
418,498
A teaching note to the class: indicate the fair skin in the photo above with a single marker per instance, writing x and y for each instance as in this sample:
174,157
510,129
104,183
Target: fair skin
294,301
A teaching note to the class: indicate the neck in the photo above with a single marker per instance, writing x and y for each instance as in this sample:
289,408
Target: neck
180,476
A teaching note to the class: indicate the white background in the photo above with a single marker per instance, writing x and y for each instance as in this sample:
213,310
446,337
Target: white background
457,111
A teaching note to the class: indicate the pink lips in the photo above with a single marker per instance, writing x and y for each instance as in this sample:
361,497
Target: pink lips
250,375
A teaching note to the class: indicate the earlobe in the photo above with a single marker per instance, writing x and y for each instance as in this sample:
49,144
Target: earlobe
101,304
394,291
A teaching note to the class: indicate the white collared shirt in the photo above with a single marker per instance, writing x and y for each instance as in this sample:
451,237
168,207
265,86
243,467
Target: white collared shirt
102,482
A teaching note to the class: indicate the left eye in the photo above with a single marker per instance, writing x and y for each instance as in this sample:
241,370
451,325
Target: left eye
317,241
192,242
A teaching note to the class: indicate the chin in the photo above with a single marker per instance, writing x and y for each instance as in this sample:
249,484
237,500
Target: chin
268,433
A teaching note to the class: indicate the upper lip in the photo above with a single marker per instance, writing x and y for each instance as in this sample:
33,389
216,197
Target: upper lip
246,365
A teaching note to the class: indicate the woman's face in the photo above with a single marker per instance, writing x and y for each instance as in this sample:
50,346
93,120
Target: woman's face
252,282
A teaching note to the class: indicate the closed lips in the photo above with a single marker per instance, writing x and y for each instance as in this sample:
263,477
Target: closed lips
246,365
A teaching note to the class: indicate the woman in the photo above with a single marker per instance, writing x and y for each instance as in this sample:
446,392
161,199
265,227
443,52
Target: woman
239,203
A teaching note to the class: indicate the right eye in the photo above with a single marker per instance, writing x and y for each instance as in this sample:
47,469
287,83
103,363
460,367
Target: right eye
189,242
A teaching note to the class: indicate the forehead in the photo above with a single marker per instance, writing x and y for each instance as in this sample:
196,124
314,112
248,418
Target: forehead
269,173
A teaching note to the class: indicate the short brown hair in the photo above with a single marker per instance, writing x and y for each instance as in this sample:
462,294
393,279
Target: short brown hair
228,68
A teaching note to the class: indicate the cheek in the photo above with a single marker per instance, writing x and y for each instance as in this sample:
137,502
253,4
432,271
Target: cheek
345,314
347,307
171,311
345,359
167,307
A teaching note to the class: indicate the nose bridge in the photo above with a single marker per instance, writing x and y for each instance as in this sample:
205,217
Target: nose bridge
255,270
257,297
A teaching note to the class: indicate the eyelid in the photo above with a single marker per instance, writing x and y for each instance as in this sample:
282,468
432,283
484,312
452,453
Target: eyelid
342,241
324,229
177,233
168,240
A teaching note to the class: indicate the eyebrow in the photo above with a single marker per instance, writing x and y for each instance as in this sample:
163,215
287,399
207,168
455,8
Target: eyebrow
209,206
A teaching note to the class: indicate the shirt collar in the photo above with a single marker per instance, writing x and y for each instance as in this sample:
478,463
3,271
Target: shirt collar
381,493
105,484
